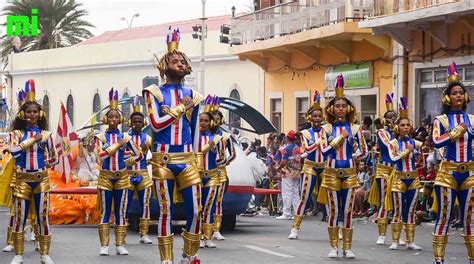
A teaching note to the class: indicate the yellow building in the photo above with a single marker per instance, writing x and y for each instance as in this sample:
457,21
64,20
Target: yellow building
303,46
433,34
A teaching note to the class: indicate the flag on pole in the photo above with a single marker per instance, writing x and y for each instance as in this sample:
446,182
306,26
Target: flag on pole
66,139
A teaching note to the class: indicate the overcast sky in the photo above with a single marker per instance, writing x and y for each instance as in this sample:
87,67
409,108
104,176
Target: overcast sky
106,14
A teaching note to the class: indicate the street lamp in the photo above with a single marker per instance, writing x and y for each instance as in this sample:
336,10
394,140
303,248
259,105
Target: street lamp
233,11
131,20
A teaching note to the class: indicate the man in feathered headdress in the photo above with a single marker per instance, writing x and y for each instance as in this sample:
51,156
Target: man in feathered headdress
173,112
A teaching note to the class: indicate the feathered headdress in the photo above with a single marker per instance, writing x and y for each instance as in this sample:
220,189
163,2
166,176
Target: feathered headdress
216,103
30,91
136,104
208,103
453,73
339,86
172,39
113,99
21,97
403,108
389,102
316,101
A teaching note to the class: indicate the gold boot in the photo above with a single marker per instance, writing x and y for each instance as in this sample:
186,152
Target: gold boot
9,236
217,222
165,245
144,226
44,244
18,242
409,233
347,238
207,231
439,246
469,242
297,221
191,243
382,226
396,231
333,232
104,230
120,233
35,228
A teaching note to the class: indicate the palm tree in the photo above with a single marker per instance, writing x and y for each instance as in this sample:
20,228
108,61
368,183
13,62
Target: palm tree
60,24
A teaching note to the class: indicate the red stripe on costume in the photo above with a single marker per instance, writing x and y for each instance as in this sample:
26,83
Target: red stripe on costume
176,125
461,142
163,207
113,158
341,149
32,154
444,211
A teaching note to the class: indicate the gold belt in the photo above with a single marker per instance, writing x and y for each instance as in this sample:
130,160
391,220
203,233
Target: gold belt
214,173
316,165
406,174
173,158
112,175
382,171
137,173
457,167
31,176
340,173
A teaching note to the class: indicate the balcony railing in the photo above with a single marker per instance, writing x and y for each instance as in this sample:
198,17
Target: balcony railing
290,18
389,7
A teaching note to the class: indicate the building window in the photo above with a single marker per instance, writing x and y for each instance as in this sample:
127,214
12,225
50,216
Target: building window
125,113
302,104
234,119
440,76
427,77
275,113
96,106
70,108
46,106
469,74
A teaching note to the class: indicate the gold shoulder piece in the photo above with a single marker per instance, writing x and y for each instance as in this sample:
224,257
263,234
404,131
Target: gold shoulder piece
443,119
148,142
306,134
101,137
355,129
328,129
471,119
225,136
156,92
197,97
45,135
418,144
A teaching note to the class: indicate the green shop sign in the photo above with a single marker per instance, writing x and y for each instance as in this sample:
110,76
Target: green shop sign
355,75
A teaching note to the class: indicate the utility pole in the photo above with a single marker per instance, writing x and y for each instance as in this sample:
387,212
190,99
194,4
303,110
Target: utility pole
203,52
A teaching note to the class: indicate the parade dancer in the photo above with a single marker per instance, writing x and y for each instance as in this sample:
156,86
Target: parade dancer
383,168
402,190
228,155
207,157
453,131
114,183
339,141
139,178
173,111
313,165
34,151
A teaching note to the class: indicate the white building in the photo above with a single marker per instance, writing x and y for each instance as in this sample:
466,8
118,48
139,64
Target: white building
81,76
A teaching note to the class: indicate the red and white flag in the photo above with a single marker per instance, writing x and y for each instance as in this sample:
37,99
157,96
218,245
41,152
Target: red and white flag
66,139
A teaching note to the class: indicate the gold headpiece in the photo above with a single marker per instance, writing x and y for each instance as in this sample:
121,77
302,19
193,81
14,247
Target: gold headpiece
172,39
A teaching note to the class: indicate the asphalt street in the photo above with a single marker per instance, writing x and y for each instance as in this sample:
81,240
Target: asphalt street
257,239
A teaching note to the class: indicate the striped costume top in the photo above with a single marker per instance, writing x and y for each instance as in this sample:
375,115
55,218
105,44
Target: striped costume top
384,136
343,156
407,163
38,156
461,149
210,155
138,139
116,161
227,148
311,139
172,132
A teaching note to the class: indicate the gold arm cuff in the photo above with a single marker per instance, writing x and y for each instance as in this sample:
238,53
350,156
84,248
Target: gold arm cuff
213,175
382,171
336,143
177,111
165,245
26,144
403,154
130,162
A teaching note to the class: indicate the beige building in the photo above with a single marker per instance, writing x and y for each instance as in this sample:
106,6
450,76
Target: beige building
81,76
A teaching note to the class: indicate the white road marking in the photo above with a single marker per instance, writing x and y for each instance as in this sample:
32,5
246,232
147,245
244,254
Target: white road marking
269,252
